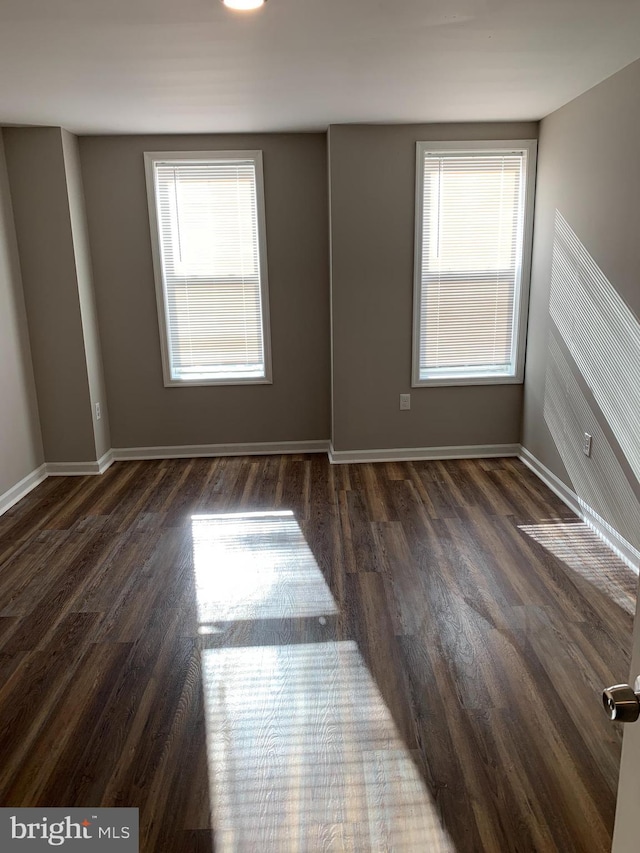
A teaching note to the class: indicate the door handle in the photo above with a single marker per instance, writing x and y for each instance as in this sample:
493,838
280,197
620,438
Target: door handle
622,702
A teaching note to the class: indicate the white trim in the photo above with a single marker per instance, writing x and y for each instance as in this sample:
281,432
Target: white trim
185,451
415,454
521,296
150,160
331,333
625,550
22,488
80,469
105,461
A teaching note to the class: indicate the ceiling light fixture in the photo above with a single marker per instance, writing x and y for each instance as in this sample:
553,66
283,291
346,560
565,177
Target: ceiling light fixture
244,5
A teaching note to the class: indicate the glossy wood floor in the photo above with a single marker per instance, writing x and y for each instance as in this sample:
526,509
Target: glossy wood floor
274,654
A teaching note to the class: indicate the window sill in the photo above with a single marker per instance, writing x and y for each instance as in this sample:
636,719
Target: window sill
467,380
198,383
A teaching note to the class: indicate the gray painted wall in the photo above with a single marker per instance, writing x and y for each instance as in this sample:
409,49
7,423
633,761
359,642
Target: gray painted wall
36,167
583,359
84,275
20,440
583,355
372,189
142,411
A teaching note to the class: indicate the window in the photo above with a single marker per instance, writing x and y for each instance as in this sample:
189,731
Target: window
473,234
209,251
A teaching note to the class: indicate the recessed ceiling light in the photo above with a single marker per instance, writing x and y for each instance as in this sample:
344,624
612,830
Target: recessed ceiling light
244,5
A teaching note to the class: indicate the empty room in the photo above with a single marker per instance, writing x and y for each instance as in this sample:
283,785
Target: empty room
319,426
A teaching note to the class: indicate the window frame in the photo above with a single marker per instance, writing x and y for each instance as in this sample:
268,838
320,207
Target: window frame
150,160
521,295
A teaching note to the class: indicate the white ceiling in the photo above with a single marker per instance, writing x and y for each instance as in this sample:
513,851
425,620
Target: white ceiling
126,66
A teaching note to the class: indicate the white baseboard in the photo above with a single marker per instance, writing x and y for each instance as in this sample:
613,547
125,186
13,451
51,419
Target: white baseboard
80,469
625,550
268,448
22,489
416,454
182,451
106,461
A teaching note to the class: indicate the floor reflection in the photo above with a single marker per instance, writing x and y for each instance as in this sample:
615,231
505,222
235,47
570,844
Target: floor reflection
303,752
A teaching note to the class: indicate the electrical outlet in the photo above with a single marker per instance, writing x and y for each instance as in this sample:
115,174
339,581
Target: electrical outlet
586,444
98,412
405,402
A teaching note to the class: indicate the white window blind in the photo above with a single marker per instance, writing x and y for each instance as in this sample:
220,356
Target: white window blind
470,237
211,266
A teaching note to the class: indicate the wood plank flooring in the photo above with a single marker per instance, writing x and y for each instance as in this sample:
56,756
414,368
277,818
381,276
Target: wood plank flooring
276,654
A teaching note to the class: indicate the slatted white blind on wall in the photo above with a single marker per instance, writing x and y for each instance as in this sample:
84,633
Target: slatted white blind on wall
212,269
471,205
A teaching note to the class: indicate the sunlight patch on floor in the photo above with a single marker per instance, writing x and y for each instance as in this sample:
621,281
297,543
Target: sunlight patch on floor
256,566
581,549
303,752
302,747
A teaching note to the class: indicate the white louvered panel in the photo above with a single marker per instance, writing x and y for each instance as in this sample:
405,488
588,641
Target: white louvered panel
470,261
209,249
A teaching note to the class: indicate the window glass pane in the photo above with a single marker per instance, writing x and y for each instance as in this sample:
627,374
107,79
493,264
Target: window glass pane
474,217
213,225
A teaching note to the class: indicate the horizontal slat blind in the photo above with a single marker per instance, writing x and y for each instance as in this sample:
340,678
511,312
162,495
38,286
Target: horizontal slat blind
471,251
209,248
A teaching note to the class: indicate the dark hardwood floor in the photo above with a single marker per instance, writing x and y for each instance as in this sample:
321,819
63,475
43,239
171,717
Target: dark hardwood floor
274,654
